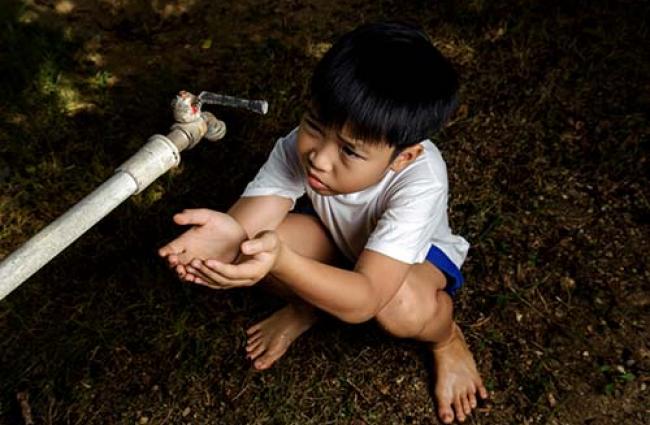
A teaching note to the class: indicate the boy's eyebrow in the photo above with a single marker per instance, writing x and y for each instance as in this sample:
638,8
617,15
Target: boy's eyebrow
311,115
347,141
311,119
357,145
352,143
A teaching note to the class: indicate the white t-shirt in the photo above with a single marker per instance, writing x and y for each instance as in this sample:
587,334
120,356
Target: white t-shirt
400,216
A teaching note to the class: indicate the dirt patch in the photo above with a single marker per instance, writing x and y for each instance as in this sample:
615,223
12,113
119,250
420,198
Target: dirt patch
547,159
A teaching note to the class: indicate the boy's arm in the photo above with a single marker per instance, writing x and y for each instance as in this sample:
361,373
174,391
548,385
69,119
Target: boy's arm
352,296
258,213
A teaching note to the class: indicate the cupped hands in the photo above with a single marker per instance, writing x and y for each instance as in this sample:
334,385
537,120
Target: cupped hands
258,258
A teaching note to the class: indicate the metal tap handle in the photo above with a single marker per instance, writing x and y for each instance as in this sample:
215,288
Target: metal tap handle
259,106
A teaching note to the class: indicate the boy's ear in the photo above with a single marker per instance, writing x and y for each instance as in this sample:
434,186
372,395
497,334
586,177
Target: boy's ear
405,157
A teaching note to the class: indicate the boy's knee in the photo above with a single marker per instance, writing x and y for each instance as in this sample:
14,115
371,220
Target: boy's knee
307,236
404,316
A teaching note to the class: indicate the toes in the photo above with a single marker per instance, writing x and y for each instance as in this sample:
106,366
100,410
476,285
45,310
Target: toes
261,364
482,392
267,360
472,400
466,406
460,412
251,346
256,327
253,337
445,413
258,351
253,341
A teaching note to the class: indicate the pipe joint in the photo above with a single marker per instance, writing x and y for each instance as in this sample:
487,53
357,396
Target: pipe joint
216,128
157,156
192,132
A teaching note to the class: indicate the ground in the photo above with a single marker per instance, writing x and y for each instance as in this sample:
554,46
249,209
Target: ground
547,157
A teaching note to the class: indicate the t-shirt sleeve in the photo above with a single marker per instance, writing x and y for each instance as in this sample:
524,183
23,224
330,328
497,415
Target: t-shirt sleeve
281,174
404,229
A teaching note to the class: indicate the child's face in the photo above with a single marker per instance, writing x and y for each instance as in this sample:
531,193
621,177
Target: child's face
336,163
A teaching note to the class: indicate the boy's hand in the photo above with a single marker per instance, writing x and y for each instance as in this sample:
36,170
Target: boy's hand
213,235
260,256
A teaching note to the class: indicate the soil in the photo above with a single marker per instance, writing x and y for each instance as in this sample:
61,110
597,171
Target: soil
548,168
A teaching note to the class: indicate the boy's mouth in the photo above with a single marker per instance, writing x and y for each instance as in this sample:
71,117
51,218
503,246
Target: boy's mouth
315,182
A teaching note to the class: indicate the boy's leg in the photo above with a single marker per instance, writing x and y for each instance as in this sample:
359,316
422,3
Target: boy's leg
422,310
269,339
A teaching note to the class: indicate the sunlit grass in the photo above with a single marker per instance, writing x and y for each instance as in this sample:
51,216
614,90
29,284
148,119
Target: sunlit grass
317,50
64,7
458,50
51,81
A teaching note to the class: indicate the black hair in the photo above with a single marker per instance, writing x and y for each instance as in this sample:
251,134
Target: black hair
387,82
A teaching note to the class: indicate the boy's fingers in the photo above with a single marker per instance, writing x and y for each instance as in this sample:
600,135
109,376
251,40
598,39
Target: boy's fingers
184,258
197,273
184,274
166,250
206,271
170,249
250,247
197,216
264,243
189,275
180,270
223,283
202,282
219,278
247,270
172,259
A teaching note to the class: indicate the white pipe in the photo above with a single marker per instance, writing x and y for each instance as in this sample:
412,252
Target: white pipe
149,163
157,156
54,238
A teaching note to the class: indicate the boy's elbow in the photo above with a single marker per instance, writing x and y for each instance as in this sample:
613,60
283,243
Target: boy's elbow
355,318
366,307
359,315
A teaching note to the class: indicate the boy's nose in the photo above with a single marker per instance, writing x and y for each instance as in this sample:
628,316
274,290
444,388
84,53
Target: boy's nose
320,159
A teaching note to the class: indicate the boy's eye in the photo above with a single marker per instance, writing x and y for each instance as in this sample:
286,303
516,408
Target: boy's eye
349,151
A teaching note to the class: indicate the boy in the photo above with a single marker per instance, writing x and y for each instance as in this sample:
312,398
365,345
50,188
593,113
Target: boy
378,188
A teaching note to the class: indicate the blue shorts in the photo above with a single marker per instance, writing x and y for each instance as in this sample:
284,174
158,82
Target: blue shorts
435,255
454,277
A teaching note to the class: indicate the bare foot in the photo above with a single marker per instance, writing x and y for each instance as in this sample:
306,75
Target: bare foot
269,339
457,379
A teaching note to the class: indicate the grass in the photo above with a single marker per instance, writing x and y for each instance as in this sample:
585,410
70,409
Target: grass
546,158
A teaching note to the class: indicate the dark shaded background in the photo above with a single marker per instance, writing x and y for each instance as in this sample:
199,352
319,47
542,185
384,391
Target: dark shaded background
547,159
